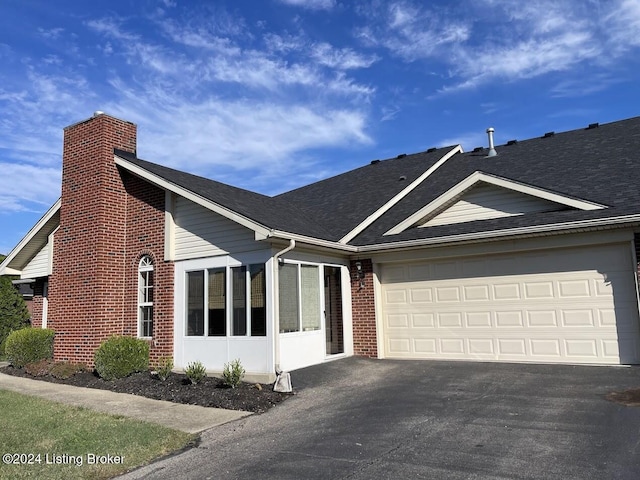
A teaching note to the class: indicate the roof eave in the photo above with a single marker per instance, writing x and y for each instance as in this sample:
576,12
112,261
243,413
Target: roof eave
313,242
494,235
259,229
5,268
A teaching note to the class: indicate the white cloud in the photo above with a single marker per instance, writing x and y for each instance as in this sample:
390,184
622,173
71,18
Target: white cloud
342,59
50,34
32,187
236,135
112,27
311,4
577,87
501,40
411,31
622,22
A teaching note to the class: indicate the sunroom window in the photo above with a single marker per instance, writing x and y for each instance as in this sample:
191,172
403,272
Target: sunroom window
219,298
299,297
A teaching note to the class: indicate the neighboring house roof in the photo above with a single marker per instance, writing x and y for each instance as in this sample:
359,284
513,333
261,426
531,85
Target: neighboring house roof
585,178
32,242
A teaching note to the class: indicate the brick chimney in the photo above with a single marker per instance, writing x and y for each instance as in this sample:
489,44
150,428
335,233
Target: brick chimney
86,287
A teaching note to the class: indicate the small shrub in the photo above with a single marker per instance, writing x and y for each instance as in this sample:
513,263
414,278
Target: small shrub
40,368
165,365
64,370
233,373
119,357
29,345
195,372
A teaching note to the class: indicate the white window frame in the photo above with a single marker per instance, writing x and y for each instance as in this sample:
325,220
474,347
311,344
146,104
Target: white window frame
144,266
228,300
320,271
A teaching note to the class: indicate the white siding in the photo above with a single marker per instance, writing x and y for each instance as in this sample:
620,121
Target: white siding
202,233
488,201
38,266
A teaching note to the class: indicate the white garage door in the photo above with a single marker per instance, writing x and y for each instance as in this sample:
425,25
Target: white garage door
574,305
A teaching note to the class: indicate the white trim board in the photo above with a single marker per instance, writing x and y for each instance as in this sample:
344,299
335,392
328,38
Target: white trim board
378,213
440,203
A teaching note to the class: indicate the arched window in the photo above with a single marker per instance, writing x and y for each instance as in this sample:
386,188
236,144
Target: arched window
145,297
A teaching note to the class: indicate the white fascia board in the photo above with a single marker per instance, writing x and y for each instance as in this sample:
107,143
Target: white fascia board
382,210
317,242
612,222
4,266
189,195
477,177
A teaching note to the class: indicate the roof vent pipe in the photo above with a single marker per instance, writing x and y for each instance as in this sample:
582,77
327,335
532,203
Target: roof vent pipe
492,150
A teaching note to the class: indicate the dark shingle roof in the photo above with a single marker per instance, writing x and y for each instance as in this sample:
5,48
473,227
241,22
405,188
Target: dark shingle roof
344,201
327,209
600,165
266,211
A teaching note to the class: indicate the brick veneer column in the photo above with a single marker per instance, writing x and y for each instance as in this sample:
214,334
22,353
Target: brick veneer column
363,310
108,221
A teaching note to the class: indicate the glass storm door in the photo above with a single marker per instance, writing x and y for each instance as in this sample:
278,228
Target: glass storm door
333,310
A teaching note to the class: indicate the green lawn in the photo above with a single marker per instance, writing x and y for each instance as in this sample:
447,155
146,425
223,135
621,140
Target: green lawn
62,441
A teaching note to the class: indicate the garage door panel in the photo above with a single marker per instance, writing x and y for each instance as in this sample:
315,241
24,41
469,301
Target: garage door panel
481,346
421,295
479,320
542,318
422,320
476,293
588,315
506,291
538,290
577,318
447,294
512,346
575,288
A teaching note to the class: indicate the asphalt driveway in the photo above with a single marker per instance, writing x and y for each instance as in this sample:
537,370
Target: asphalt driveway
363,419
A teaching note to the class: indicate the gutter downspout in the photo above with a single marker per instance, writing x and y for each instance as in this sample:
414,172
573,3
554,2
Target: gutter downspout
276,303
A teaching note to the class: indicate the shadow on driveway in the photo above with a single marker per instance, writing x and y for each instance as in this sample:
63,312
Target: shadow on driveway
361,419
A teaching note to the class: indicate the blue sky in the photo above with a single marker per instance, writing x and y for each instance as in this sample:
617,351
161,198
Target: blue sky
270,95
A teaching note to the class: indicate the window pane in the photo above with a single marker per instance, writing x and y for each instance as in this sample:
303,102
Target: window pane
195,303
217,302
146,287
149,286
258,301
288,297
310,286
239,299
146,319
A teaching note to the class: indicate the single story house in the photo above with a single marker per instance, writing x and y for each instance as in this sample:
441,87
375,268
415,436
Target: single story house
523,252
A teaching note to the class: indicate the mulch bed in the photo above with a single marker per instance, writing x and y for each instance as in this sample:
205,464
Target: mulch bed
211,392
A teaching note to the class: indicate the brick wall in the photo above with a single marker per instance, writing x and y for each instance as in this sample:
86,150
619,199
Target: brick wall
145,236
107,222
363,310
38,297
